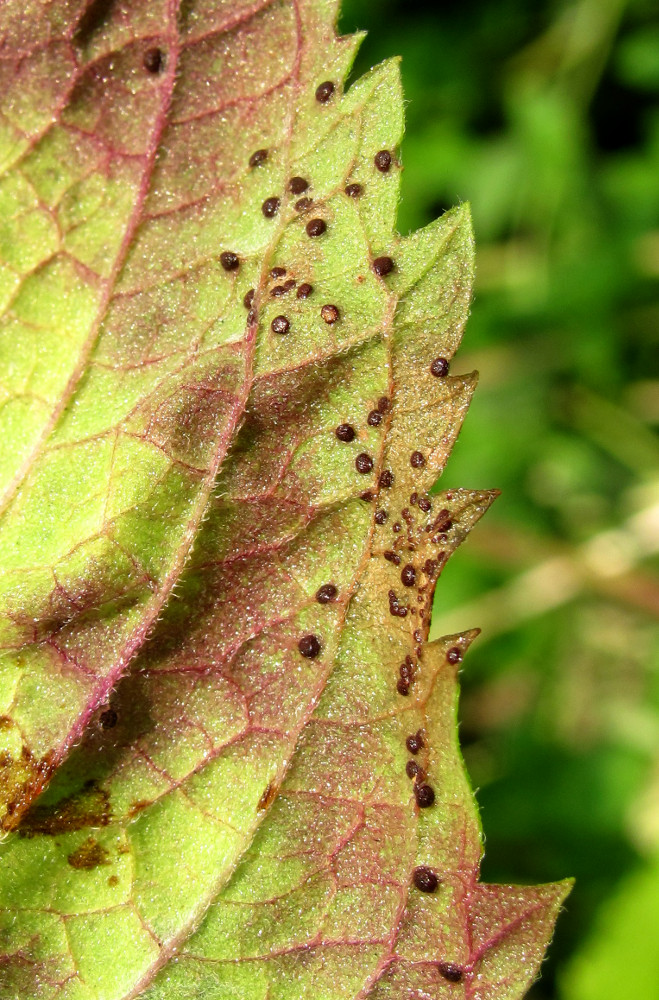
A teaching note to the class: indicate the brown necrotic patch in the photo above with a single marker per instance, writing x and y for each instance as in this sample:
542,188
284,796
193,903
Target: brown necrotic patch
268,797
88,808
90,854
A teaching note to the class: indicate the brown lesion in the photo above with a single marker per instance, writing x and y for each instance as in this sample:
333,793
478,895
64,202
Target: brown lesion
90,807
90,854
268,797
22,778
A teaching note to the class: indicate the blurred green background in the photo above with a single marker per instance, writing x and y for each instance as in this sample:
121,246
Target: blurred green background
545,116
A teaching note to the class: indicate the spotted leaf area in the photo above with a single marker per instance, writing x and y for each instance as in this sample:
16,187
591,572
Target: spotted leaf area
265,798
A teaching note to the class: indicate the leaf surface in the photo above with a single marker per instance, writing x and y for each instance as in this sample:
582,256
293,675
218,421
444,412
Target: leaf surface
238,819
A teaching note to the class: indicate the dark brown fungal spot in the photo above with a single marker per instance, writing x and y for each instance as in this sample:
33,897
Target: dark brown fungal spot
439,368
309,646
414,499
302,204
454,655
430,567
392,557
383,404
353,190
90,854
383,266
442,522
396,609
425,879
270,207
364,463
280,324
304,291
406,671
403,687
251,316
297,185
417,636
113,881
424,796
316,227
326,593
386,479
258,157
268,797
425,505
249,298
324,92
408,575
277,272
414,743
451,972
108,719
396,527
154,60
279,290
329,313
381,516
374,418
382,160
411,768
406,516
229,260
345,432
367,496
417,461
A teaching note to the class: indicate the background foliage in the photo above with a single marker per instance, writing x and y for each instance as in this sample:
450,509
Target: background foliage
545,115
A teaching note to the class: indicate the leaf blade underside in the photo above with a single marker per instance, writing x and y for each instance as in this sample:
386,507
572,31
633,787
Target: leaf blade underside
238,811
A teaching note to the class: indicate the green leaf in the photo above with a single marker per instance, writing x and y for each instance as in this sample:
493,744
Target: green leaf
238,819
